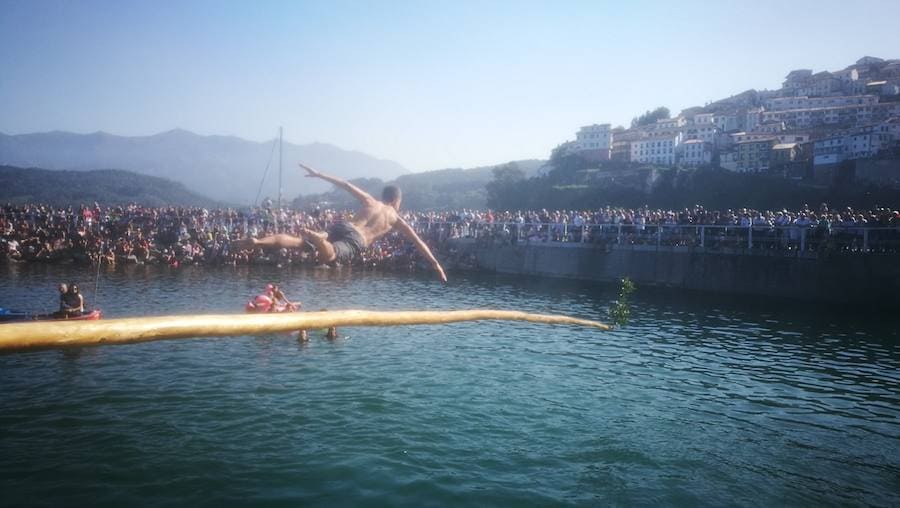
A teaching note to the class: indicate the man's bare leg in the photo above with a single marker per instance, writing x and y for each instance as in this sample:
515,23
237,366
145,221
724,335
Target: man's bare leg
324,249
280,241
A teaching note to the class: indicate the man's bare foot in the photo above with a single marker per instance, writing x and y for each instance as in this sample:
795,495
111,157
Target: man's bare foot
317,238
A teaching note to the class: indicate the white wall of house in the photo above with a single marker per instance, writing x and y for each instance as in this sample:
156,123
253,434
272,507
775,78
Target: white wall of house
670,123
855,115
741,137
892,129
726,122
858,144
704,132
752,118
593,137
792,137
695,153
785,103
703,118
656,150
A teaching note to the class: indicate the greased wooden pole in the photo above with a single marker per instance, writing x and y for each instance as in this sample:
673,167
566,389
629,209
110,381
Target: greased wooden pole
46,334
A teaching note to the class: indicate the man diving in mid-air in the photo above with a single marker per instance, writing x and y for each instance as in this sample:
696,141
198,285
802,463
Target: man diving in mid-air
347,239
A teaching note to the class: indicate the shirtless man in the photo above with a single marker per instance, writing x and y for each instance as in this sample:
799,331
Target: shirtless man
346,240
279,298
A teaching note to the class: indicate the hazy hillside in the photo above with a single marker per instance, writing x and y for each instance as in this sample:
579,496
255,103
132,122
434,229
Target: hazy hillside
222,167
107,186
443,189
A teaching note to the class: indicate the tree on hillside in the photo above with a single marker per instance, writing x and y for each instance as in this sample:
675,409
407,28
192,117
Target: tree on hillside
507,178
564,162
508,173
650,117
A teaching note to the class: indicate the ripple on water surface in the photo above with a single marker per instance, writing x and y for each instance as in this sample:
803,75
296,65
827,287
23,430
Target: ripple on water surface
693,404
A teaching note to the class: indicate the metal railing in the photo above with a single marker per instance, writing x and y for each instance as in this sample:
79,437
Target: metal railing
812,238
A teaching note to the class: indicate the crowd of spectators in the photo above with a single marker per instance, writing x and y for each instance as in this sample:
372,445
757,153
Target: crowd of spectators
174,236
809,228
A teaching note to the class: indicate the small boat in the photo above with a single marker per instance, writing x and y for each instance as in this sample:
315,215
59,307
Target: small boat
11,316
92,315
255,308
14,316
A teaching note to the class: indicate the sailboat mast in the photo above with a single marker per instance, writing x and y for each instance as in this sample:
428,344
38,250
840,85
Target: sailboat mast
280,150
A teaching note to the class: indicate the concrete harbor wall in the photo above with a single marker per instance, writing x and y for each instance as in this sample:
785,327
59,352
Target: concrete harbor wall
829,277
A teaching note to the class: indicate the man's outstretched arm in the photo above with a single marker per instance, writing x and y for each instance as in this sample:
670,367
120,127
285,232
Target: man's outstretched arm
407,231
360,194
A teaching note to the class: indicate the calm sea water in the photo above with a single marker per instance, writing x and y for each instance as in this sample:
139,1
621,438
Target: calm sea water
697,402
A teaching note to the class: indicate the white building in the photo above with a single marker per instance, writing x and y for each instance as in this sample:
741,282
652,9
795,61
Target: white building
670,123
892,128
867,142
656,149
770,128
803,82
804,102
703,118
726,122
883,87
705,132
695,152
792,137
860,143
741,137
752,118
795,80
593,137
847,76
856,114
667,127
781,136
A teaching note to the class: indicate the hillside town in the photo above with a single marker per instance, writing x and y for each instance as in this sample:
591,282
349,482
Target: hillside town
826,127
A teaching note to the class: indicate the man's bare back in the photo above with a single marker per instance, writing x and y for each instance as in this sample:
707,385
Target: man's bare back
374,221
346,240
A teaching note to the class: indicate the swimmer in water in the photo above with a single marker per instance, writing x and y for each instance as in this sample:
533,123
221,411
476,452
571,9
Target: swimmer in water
330,333
345,241
278,298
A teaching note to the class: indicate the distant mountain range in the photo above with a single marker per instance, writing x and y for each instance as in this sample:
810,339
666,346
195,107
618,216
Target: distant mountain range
108,186
442,189
225,168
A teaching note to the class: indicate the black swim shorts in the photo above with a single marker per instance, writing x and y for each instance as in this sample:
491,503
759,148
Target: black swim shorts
346,240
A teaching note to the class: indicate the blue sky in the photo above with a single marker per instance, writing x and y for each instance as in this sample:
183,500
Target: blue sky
429,84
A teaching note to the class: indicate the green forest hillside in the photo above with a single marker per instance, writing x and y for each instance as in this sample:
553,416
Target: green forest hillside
105,186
